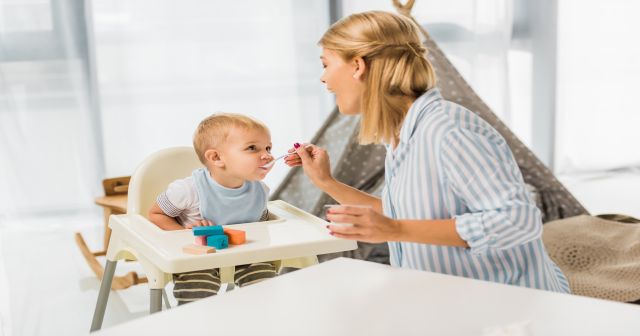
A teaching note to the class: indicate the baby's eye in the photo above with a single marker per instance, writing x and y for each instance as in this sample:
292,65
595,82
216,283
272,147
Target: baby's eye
268,149
251,148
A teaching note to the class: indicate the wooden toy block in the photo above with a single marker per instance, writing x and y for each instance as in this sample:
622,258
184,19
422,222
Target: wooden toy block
218,241
201,240
236,237
198,249
208,230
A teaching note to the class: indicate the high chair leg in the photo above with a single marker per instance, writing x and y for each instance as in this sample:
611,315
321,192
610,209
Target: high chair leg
156,300
103,296
166,299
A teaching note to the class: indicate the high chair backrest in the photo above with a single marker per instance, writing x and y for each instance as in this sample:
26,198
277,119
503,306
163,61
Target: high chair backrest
155,173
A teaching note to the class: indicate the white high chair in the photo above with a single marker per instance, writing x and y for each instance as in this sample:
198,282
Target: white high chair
293,237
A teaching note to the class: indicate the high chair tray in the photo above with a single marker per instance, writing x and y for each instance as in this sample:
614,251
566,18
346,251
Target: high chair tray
292,233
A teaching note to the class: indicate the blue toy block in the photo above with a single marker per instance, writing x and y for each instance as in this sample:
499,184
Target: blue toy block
208,230
218,241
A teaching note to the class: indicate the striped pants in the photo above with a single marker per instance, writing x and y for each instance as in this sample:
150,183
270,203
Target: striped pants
191,286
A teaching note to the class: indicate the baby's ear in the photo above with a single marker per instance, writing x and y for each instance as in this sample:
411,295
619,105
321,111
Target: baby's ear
213,157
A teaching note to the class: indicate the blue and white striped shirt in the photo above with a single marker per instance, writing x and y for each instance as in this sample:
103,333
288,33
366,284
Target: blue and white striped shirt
450,163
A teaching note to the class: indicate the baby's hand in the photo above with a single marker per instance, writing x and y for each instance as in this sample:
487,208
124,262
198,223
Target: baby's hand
203,222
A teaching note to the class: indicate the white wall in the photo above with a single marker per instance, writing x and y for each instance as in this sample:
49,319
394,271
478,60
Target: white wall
598,115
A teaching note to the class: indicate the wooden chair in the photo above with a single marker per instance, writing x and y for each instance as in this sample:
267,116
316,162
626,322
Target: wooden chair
114,202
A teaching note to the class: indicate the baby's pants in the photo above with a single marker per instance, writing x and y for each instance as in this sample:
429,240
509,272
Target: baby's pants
191,286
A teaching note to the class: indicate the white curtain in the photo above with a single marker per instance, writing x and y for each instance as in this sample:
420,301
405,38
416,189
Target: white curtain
164,65
598,70
159,67
49,158
476,36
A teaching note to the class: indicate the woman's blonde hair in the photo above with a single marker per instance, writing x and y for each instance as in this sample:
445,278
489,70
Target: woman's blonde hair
214,129
397,65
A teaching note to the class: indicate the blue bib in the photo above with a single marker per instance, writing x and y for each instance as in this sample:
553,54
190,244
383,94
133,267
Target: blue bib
223,205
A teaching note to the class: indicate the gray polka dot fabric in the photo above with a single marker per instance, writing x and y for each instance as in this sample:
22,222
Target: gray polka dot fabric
363,166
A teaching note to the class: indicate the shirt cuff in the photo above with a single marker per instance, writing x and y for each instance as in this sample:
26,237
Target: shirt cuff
167,207
471,229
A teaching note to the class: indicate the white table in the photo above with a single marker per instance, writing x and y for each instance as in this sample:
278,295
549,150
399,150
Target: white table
293,238
351,297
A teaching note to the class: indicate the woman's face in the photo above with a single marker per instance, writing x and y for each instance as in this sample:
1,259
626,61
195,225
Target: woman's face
343,79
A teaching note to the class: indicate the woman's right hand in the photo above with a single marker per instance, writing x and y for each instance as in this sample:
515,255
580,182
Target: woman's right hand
314,160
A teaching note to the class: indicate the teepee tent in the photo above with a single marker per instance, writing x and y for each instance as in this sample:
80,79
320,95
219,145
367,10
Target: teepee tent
363,166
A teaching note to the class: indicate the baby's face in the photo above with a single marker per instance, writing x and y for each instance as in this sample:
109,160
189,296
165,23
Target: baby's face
245,152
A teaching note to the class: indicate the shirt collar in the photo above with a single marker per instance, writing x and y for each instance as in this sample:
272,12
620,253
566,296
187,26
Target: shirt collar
416,112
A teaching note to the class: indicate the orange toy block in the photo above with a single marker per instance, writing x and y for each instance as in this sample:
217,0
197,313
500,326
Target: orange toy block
198,249
236,237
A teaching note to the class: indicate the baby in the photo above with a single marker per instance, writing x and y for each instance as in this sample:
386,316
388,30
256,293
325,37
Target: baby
229,190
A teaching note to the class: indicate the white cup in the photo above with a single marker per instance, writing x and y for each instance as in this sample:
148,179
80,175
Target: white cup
329,206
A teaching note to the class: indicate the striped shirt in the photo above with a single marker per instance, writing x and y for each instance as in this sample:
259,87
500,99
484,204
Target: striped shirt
450,163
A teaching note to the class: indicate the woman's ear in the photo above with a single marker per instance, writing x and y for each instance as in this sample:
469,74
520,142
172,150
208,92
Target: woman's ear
360,67
213,157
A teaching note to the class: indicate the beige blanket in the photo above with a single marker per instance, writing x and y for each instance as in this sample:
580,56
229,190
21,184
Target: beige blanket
600,257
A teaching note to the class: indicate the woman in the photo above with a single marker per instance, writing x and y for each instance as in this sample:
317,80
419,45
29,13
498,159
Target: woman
454,201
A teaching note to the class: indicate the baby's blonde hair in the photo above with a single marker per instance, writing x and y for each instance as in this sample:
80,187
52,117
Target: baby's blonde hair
214,129
397,65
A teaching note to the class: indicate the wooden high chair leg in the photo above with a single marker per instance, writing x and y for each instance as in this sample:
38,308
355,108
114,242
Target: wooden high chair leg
118,282
103,296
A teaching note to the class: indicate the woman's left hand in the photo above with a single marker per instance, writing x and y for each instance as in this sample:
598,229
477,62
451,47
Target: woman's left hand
368,225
